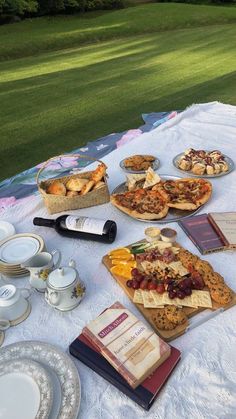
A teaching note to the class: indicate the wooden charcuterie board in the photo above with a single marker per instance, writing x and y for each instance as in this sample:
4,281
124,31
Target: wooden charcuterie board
149,313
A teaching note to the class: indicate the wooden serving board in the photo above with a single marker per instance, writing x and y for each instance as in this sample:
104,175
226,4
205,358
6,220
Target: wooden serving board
148,313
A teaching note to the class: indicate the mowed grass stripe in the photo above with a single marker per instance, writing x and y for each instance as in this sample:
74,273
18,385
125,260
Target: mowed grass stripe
101,91
52,33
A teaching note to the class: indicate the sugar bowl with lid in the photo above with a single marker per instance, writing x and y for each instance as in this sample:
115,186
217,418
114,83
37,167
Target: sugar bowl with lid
64,289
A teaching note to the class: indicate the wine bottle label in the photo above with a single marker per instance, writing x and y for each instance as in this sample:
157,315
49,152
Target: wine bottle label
85,224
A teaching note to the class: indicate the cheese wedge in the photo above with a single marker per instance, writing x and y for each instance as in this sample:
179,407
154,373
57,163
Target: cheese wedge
152,178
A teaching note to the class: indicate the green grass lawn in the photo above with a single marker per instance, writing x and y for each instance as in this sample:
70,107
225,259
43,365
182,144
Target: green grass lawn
64,81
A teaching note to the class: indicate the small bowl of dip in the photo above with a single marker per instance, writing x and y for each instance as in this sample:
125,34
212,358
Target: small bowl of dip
152,234
168,235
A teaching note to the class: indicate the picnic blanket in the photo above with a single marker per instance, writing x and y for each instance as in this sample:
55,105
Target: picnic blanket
203,386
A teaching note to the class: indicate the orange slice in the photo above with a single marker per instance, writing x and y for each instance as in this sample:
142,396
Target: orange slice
119,252
131,263
122,270
122,257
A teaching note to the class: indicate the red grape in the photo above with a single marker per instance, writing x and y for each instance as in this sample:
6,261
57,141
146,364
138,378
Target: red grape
182,285
139,277
134,272
152,285
180,294
188,282
129,283
135,284
197,281
144,284
172,295
160,288
188,291
167,280
170,287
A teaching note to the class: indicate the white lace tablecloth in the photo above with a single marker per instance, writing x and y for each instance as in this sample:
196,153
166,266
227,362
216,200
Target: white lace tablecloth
203,385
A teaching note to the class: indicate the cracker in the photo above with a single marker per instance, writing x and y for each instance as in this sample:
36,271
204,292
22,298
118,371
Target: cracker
169,301
158,298
201,299
164,299
178,268
138,298
148,300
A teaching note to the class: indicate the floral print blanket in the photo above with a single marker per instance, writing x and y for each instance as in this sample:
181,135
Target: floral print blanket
22,186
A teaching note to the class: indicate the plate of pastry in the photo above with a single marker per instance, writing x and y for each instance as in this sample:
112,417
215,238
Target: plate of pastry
203,163
139,163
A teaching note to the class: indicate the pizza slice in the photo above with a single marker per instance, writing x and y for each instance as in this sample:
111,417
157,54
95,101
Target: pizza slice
141,203
185,194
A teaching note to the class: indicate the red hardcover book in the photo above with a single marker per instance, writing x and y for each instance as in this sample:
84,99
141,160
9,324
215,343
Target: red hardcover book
205,237
146,392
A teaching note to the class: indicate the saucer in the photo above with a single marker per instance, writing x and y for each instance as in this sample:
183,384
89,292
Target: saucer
18,248
1,337
6,230
23,317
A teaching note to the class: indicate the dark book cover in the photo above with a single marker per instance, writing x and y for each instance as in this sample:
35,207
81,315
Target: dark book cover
199,229
145,393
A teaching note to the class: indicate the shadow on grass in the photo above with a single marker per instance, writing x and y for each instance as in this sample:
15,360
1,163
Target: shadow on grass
105,89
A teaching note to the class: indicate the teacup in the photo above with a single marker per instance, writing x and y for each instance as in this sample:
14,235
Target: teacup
13,303
40,266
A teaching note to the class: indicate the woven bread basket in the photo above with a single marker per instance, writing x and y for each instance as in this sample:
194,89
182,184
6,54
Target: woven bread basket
59,203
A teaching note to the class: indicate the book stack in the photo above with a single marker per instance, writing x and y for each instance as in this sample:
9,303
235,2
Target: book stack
211,232
127,353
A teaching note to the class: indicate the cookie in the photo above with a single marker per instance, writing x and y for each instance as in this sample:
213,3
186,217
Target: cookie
160,320
203,267
187,258
213,279
221,294
175,315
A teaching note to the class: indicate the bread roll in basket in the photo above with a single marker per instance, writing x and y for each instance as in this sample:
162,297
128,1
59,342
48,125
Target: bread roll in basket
81,190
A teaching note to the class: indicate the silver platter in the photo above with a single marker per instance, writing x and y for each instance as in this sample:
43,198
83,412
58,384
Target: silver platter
173,215
155,165
188,172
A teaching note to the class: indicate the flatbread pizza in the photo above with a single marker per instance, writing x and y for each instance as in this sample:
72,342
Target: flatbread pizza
185,194
141,203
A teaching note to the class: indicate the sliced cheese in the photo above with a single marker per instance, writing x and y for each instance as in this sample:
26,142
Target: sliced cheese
175,250
160,245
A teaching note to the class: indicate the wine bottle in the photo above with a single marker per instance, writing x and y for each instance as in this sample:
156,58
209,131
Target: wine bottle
81,227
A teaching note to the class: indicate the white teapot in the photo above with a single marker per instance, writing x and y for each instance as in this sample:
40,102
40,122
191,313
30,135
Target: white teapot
64,289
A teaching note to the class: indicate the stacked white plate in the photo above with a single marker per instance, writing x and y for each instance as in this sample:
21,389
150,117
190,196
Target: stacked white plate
42,381
15,250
